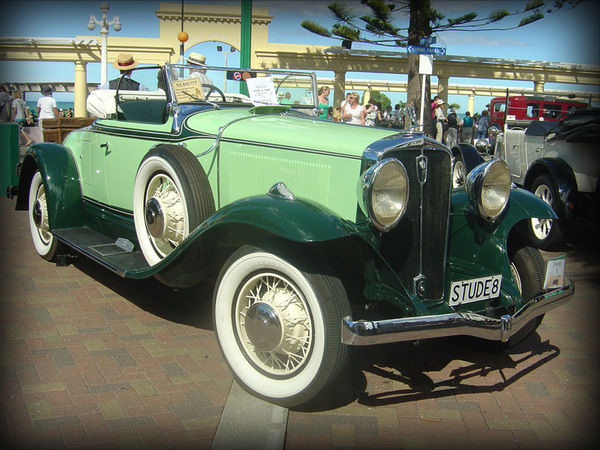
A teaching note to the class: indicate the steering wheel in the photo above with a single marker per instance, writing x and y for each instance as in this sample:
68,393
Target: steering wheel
212,89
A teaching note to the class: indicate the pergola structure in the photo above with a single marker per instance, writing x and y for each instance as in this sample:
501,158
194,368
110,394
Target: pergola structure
222,23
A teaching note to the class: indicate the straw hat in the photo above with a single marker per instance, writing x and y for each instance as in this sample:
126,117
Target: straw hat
196,58
124,62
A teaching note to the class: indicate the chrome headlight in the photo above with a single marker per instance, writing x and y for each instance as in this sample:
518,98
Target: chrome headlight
488,188
384,193
482,146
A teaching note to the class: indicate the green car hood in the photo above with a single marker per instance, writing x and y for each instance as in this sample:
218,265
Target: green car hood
288,130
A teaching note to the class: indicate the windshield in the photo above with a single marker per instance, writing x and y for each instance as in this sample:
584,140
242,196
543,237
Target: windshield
203,84
152,94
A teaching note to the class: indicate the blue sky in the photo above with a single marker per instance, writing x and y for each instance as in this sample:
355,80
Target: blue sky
566,36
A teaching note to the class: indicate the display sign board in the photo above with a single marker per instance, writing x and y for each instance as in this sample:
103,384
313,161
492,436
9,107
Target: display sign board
425,64
262,91
188,90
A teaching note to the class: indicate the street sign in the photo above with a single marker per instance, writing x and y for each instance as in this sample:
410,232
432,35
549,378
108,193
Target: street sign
428,40
426,50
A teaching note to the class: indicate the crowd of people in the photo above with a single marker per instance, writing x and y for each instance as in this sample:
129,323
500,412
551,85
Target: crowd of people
449,129
351,111
14,109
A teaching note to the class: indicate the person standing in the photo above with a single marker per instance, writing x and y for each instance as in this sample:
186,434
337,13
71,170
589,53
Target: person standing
19,115
439,120
452,132
386,117
5,104
371,113
125,64
46,106
482,124
396,119
352,112
323,101
434,106
467,128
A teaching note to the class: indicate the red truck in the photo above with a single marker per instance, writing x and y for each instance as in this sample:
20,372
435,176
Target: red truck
523,109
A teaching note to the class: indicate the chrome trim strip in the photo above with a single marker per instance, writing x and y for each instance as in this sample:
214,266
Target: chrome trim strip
453,324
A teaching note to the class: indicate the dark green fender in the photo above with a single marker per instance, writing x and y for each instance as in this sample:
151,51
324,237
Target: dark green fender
478,248
61,183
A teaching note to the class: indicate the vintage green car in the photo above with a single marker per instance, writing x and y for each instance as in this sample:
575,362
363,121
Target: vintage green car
317,235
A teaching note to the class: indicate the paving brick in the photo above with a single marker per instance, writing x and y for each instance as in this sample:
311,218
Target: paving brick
87,360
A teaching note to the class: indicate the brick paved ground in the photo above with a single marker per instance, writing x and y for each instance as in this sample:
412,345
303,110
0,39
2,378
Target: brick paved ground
88,359
437,394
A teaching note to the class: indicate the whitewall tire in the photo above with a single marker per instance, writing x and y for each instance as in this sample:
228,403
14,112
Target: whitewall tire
44,241
278,322
171,198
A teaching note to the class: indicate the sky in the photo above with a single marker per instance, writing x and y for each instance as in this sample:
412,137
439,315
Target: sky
566,36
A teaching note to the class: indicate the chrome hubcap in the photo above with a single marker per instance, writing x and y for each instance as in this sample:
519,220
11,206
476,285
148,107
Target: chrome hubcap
263,327
37,214
155,219
543,227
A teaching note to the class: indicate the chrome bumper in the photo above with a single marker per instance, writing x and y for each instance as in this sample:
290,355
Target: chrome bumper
453,324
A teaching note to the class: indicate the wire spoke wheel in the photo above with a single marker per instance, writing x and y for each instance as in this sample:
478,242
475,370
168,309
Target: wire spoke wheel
546,233
273,323
171,198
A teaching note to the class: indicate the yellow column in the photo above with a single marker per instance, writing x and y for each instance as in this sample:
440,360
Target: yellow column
538,86
367,95
443,91
80,89
339,87
471,104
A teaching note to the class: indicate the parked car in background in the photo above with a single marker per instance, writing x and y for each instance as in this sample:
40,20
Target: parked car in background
316,235
520,110
560,163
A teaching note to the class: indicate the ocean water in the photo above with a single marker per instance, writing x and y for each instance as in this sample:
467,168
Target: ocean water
59,105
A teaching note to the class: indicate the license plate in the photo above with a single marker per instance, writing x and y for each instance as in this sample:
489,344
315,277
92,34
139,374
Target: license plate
474,290
555,272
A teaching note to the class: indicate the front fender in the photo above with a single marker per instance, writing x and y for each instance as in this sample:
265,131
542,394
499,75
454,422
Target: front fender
476,244
245,221
470,156
61,183
563,177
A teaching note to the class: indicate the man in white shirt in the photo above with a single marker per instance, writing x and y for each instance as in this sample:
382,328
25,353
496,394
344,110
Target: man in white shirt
196,59
46,106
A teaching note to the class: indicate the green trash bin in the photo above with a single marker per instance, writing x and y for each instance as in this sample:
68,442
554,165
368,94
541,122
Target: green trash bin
9,155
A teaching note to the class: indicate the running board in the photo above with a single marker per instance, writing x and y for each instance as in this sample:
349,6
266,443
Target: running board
117,256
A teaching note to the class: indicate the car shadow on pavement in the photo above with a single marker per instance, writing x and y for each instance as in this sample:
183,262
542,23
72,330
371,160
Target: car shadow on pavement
440,368
190,306
392,374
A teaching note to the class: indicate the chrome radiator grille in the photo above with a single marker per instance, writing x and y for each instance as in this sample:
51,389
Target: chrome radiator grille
416,248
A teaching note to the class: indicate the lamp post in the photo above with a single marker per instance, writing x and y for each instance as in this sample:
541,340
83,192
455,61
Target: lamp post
104,27
231,50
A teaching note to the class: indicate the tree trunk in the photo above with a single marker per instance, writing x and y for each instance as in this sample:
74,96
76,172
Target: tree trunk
419,27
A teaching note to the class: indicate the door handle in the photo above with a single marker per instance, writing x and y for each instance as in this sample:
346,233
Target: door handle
105,147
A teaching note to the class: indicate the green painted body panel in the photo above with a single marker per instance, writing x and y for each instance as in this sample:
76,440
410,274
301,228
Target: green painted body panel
289,131
108,157
308,155
323,169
